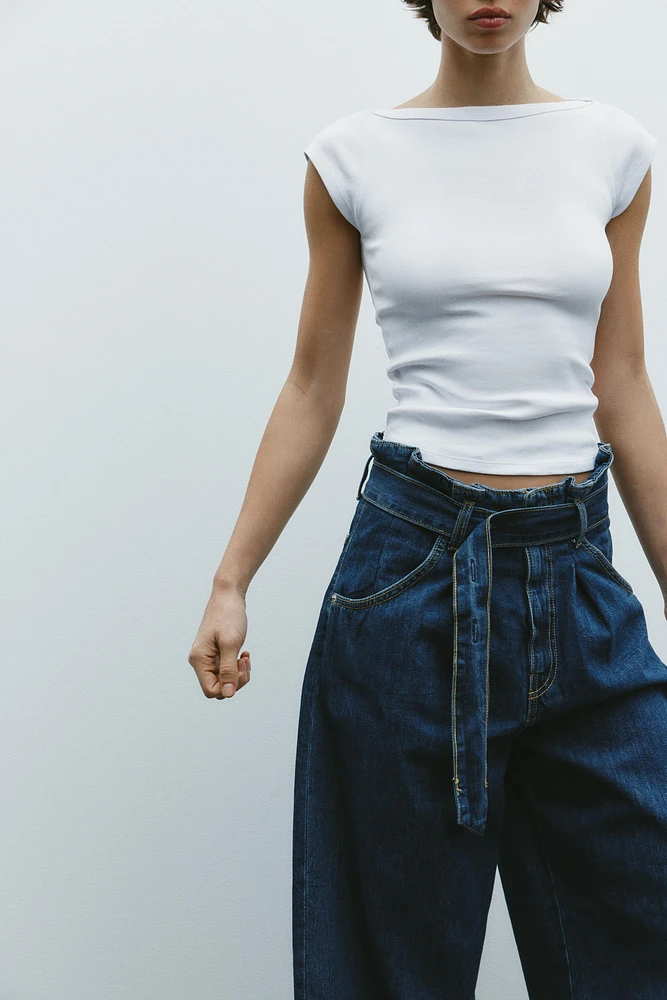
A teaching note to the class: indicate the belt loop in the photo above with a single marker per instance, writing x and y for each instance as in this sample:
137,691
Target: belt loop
583,522
460,526
370,459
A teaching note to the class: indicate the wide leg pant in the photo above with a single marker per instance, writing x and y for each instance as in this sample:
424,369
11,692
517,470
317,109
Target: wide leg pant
480,693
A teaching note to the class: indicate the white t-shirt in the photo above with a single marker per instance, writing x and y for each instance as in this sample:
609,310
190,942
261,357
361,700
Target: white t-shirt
484,249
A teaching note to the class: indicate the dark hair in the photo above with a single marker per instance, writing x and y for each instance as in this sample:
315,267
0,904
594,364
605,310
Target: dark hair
424,8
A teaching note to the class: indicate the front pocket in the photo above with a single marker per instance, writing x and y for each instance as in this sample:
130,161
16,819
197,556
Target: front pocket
386,555
607,565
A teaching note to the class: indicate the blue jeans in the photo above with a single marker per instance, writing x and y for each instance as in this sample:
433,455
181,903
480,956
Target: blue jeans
480,692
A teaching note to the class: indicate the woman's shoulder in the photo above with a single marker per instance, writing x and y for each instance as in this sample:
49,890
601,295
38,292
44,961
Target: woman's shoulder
352,124
629,149
616,117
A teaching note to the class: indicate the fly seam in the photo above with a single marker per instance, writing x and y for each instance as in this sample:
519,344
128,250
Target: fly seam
553,634
530,607
456,660
488,635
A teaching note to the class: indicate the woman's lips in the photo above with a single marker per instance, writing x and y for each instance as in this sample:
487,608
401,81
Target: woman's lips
489,22
490,17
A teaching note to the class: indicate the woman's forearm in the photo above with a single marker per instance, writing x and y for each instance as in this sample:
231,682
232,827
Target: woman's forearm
292,449
632,423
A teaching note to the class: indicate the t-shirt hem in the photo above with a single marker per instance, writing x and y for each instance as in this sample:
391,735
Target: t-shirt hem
556,468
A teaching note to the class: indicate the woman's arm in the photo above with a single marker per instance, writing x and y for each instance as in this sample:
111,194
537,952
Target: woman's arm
296,439
628,416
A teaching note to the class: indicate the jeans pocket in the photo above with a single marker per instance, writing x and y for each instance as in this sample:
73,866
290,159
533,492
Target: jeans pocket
384,556
601,550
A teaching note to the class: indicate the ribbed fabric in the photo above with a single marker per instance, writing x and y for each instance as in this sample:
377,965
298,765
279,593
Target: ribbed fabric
485,252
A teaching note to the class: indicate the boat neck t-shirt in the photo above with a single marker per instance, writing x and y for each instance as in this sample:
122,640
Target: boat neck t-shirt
482,233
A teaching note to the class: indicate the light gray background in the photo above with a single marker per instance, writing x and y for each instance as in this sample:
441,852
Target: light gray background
153,262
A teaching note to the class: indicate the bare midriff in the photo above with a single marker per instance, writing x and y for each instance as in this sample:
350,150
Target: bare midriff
507,482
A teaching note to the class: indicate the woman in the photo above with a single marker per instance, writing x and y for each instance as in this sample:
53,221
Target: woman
480,691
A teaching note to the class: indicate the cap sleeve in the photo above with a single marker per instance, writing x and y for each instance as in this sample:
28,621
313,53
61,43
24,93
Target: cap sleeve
631,148
336,155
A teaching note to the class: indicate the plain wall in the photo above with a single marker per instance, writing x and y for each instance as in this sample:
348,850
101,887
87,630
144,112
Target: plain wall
153,262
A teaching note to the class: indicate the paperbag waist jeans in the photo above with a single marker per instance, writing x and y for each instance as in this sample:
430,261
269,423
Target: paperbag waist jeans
480,694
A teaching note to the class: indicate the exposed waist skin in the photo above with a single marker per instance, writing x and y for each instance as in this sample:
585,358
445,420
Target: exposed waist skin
501,482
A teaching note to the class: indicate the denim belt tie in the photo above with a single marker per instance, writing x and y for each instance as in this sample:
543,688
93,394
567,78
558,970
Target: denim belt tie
472,575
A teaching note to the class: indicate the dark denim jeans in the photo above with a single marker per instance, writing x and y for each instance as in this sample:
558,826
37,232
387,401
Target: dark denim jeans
480,693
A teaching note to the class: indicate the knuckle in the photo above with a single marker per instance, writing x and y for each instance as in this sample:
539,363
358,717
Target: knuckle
227,650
